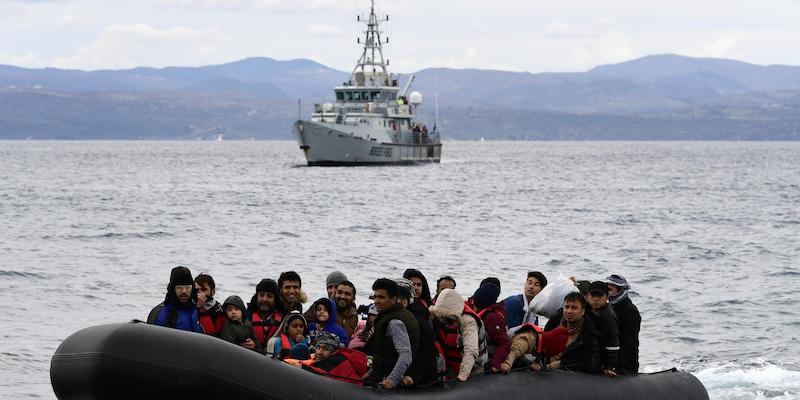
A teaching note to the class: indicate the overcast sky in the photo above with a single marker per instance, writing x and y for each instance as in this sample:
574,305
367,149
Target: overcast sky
526,35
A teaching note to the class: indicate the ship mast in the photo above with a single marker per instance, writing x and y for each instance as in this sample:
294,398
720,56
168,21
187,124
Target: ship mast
372,57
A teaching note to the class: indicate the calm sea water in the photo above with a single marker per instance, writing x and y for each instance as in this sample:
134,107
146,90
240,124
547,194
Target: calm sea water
707,233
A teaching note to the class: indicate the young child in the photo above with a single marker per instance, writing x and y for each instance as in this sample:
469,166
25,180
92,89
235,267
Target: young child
364,331
291,340
238,330
325,321
331,360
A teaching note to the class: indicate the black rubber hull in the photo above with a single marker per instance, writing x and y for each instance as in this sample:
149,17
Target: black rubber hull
138,361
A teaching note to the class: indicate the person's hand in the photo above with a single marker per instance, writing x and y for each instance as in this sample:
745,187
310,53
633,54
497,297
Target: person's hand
610,373
249,344
505,367
462,378
293,362
387,384
536,367
554,365
408,381
299,338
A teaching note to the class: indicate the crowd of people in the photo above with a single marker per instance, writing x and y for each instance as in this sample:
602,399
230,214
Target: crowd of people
407,337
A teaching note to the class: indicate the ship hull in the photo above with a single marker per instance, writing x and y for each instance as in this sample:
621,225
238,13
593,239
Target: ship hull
330,145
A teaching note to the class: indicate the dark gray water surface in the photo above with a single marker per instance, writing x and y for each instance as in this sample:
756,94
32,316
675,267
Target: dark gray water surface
707,233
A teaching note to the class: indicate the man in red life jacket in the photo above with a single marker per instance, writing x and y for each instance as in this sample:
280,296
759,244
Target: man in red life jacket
212,316
331,360
264,313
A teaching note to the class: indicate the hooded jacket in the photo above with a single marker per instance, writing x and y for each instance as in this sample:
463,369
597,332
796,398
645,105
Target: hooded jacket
330,325
237,332
172,313
450,306
498,343
274,346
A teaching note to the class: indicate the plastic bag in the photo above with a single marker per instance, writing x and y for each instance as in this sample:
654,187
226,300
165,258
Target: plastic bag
551,298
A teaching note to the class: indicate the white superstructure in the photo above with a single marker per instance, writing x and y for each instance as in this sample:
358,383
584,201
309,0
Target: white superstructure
372,120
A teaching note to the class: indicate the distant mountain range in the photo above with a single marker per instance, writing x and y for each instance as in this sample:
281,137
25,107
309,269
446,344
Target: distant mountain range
660,97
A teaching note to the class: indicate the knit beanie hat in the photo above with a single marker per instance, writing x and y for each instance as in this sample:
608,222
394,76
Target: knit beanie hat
300,351
267,285
492,280
335,278
180,276
486,295
554,342
618,281
327,340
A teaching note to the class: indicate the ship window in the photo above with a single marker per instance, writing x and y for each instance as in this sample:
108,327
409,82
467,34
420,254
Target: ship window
349,96
356,96
340,96
376,95
365,96
392,95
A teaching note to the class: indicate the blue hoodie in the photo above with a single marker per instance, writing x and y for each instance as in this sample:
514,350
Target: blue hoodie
330,325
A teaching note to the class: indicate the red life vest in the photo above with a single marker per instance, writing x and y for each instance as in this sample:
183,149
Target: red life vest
265,329
286,346
212,325
538,329
448,341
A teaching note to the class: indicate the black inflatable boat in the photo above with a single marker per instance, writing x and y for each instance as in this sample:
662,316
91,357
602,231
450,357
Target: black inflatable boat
139,361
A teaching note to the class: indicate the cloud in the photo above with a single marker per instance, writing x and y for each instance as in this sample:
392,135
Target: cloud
67,20
322,29
724,47
127,46
561,30
29,60
270,5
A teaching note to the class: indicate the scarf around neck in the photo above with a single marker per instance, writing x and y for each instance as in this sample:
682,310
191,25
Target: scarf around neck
623,294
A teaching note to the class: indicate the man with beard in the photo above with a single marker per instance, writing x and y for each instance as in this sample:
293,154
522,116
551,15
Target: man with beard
178,310
264,313
582,352
346,310
290,286
212,316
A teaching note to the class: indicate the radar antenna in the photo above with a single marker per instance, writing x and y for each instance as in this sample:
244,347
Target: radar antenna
372,59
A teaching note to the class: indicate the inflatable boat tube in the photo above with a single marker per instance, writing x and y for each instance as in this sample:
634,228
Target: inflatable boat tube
140,361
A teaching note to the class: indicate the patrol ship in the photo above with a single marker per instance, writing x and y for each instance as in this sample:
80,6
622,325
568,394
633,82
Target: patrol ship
373,121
